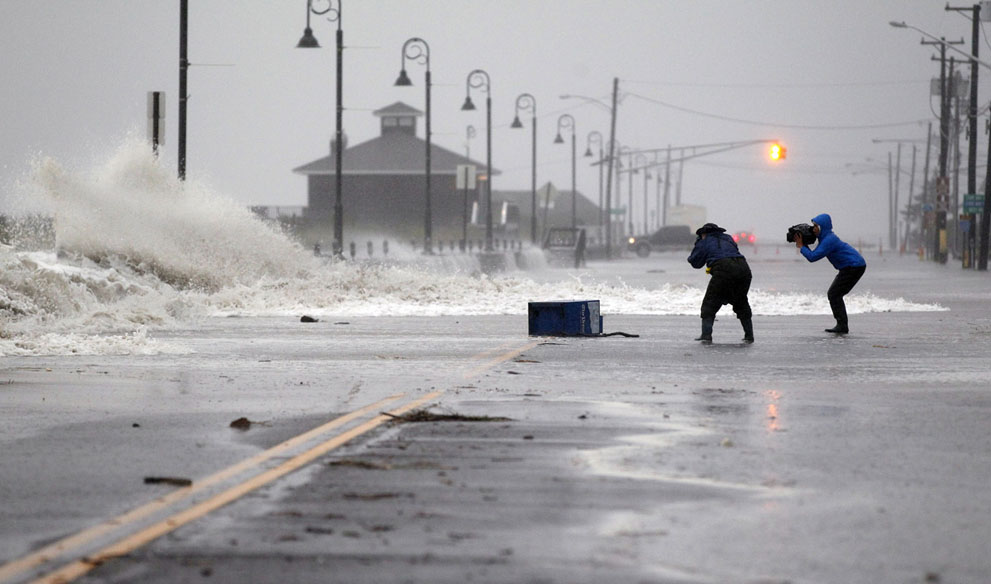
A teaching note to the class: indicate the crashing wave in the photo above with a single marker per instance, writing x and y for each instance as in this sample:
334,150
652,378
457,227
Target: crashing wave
139,250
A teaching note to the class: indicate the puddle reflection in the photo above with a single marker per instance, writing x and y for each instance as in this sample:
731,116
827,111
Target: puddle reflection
772,423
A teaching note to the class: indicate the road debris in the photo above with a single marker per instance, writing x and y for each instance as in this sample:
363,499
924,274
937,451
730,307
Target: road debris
174,481
423,415
244,424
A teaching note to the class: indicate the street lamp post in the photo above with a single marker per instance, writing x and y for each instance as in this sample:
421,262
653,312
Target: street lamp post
417,49
183,69
620,151
479,79
469,134
642,163
567,122
596,137
527,103
667,188
308,41
629,194
612,157
659,216
646,194
943,42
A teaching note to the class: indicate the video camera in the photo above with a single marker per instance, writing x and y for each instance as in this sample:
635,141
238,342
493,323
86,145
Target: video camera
803,229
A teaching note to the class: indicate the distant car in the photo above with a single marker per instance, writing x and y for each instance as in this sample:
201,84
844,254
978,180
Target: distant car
666,238
565,245
745,237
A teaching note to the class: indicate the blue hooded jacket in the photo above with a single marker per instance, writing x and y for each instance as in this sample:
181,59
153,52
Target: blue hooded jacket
839,253
715,246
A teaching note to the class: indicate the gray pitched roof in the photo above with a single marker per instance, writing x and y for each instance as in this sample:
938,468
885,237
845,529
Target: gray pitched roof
397,109
392,153
587,211
522,197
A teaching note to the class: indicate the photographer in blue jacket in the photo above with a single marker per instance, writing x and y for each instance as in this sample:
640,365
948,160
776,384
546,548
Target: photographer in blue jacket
848,261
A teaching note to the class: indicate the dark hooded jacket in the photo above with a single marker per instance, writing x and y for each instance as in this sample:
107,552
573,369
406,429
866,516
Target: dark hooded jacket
715,246
839,253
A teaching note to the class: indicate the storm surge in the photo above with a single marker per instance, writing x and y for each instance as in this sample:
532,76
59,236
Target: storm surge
135,250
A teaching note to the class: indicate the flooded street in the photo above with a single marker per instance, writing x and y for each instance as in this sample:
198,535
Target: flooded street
801,458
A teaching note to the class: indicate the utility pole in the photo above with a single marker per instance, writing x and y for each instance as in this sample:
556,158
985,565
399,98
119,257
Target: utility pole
908,204
953,227
629,197
972,119
893,232
926,194
982,256
602,200
609,174
942,182
892,215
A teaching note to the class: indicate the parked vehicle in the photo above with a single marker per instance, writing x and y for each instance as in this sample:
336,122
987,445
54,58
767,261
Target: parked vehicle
565,245
669,237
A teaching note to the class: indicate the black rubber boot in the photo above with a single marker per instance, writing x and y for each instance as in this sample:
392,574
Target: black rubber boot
748,330
706,336
839,313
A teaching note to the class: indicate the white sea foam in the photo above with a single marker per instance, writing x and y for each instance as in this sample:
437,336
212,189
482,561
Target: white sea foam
140,251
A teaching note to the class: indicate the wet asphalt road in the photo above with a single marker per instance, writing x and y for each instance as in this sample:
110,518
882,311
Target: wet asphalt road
801,458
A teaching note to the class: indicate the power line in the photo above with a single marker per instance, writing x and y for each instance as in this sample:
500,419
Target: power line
776,85
775,124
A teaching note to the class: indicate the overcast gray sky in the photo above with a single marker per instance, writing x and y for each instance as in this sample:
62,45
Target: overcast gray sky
815,74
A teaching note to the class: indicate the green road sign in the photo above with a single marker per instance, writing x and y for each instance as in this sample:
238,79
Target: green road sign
973,203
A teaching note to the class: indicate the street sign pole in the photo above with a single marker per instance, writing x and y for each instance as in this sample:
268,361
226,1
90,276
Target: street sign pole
465,179
973,205
942,194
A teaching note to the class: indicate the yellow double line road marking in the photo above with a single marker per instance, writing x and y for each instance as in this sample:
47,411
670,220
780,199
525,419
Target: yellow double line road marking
503,357
132,542
48,552
121,522
147,534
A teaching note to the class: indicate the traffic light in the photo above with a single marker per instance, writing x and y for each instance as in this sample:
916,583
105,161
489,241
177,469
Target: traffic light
778,152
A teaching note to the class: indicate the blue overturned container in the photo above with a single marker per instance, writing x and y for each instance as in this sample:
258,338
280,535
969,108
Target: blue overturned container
564,318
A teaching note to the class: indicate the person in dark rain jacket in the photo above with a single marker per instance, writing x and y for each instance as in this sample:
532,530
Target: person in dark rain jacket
730,281
848,261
